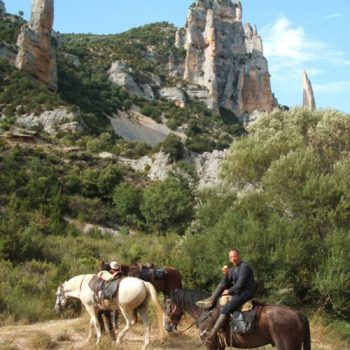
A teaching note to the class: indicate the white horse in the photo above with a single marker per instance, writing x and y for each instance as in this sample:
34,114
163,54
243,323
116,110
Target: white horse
133,294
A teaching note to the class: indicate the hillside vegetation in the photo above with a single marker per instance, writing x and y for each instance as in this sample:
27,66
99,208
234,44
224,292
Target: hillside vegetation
285,204
83,61
284,201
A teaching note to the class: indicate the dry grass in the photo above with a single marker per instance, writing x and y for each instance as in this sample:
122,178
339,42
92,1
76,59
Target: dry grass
72,334
324,338
9,346
41,341
63,336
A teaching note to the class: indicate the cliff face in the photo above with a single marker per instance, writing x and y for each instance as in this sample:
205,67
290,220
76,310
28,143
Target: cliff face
2,8
308,93
36,55
226,58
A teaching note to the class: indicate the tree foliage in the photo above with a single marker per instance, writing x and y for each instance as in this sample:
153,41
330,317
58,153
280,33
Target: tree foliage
168,205
291,174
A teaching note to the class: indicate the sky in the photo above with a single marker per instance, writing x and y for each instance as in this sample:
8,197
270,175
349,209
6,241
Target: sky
310,35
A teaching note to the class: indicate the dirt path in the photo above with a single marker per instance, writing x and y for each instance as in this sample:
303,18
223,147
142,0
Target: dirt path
71,335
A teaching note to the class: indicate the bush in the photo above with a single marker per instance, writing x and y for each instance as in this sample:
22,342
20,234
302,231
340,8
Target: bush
127,200
173,146
168,205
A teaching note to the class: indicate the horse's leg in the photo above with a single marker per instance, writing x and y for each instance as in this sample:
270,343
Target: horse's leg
93,322
90,331
143,314
129,319
115,319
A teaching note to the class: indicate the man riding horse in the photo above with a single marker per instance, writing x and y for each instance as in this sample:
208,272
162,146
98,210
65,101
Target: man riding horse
238,282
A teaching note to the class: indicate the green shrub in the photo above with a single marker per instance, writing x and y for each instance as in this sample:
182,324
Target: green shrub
172,124
173,146
168,205
127,199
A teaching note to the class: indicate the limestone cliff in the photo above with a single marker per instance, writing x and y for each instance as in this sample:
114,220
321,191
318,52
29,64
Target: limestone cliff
2,8
226,58
308,94
36,54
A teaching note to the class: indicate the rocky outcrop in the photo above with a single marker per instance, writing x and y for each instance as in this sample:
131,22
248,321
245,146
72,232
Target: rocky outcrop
36,54
120,74
180,38
173,94
133,126
308,93
225,58
207,166
2,8
7,53
158,166
51,121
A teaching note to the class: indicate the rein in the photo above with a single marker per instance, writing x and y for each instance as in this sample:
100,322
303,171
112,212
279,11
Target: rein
198,321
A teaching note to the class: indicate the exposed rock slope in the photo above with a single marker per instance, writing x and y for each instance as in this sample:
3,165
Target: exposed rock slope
36,54
226,58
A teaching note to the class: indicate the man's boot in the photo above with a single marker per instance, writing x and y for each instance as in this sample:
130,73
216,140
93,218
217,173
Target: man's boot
218,324
209,303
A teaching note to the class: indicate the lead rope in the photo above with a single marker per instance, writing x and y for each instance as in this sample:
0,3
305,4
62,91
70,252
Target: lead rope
198,322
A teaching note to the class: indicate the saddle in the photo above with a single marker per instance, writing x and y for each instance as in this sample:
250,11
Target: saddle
152,273
105,289
244,320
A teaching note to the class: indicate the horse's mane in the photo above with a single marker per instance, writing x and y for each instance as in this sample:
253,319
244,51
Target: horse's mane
186,298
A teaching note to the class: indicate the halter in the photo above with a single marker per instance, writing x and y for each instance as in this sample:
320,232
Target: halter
202,318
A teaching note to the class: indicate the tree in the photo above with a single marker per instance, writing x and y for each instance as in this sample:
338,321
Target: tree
168,205
127,199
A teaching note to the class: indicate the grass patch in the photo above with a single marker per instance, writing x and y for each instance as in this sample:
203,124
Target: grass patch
341,328
8,347
42,341
335,334
63,336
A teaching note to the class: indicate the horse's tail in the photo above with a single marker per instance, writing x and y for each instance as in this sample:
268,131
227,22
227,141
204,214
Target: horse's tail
307,335
159,310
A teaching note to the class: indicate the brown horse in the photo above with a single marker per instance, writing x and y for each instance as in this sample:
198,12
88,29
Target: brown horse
280,326
165,280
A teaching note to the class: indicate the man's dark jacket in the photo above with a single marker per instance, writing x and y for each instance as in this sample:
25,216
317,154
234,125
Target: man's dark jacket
240,280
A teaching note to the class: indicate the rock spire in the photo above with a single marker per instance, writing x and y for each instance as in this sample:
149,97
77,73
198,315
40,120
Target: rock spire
36,54
2,8
308,93
226,58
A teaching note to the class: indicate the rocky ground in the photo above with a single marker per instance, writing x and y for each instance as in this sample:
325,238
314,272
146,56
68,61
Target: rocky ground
71,335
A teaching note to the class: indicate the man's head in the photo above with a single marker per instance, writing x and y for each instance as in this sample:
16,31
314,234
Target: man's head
234,256
114,265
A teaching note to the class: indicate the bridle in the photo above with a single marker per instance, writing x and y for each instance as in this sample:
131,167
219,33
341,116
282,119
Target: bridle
61,299
169,318
175,322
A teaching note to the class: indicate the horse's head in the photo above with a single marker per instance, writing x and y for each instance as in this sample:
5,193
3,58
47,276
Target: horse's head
172,315
61,299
